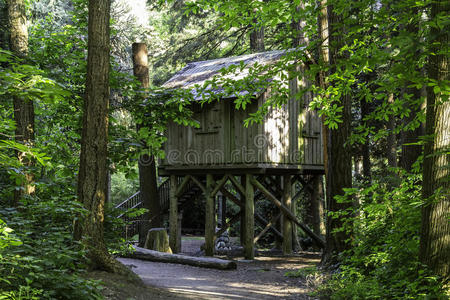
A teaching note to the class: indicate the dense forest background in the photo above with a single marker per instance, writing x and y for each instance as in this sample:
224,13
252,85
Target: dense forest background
377,73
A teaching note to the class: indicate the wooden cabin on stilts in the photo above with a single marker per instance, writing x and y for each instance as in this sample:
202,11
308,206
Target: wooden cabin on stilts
241,164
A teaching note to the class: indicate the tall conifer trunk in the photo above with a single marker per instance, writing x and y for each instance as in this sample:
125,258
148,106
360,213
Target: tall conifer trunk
257,36
338,160
148,184
92,177
435,233
23,108
257,39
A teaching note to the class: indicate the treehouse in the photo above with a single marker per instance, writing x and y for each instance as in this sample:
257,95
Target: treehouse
223,157
287,141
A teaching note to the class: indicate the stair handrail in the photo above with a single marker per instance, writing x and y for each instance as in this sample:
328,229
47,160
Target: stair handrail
121,204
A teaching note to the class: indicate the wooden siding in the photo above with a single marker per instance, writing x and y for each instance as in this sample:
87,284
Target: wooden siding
289,135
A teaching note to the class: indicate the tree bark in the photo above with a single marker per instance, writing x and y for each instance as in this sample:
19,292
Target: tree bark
4,26
318,225
23,108
300,39
92,176
339,175
148,183
257,39
435,233
324,59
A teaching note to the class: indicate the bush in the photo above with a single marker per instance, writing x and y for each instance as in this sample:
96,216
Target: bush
383,263
39,260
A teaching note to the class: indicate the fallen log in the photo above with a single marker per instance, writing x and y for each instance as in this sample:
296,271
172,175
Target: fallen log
202,262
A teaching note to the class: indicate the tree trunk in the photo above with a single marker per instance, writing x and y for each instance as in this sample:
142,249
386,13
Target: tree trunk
148,183
148,186
257,39
339,158
391,146
92,176
318,225
23,108
299,39
435,233
4,26
324,59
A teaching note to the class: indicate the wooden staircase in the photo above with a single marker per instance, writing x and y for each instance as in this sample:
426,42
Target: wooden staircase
135,202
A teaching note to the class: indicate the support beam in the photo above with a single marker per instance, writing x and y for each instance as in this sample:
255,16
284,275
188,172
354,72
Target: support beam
287,223
317,239
232,197
269,225
173,215
241,214
258,217
219,185
272,223
305,183
209,217
249,218
199,184
237,185
183,184
233,220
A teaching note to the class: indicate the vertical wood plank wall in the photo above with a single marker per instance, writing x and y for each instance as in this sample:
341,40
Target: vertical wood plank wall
290,134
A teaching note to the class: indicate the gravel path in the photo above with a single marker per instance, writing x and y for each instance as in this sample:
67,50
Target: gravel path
262,278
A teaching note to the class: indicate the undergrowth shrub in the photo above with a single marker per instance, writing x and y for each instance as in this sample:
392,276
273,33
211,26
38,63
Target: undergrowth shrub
38,258
383,262
114,228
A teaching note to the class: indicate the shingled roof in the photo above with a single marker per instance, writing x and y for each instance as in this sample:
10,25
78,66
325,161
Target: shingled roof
199,72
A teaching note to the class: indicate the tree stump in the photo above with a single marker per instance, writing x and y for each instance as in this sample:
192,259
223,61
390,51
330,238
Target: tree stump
158,240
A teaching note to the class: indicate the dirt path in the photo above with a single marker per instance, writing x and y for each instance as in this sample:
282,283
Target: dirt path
262,278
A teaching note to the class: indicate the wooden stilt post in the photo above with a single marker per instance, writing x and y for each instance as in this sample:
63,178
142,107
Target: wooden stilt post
295,240
173,214
209,217
249,217
242,224
287,223
179,224
224,210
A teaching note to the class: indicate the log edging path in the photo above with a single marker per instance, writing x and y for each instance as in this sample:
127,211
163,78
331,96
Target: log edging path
203,262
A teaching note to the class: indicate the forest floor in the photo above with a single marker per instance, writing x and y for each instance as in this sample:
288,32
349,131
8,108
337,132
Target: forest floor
262,278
